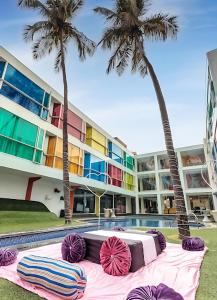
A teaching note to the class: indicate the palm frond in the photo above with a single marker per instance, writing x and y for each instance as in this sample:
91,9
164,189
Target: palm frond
85,46
107,13
41,27
137,62
43,45
34,4
160,27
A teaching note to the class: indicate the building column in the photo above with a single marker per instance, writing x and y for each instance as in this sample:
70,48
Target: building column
159,204
137,204
29,187
128,205
97,205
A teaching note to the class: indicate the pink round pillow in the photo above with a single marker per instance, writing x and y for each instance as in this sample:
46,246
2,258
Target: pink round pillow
115,257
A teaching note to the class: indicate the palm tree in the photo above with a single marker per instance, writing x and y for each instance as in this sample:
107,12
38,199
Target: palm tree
128,28
54,32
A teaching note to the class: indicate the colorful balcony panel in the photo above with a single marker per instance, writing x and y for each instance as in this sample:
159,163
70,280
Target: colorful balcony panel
54,156
2,66
129,161
20,89
116,175
95,168
115,152
19,137
129,181
96,140
76,126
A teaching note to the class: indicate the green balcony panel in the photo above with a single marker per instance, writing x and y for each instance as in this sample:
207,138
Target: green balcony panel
40,138
17,129
38,155
15,148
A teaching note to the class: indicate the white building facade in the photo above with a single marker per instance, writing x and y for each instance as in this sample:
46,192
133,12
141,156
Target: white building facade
31,159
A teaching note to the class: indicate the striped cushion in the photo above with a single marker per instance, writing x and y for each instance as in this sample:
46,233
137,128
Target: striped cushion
68,281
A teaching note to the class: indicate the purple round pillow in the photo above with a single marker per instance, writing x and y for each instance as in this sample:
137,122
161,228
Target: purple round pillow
161,238
160,292
73,248
142,293
8,256
118,228
193,244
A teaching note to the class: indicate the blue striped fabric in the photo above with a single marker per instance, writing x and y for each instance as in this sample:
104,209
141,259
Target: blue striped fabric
66,280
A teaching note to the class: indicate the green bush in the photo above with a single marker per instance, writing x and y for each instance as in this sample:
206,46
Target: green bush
21,205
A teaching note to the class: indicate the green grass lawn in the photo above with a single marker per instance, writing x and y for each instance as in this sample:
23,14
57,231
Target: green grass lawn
14,221
207,289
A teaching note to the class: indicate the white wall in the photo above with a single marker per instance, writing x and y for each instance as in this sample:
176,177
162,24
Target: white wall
43,191
12,186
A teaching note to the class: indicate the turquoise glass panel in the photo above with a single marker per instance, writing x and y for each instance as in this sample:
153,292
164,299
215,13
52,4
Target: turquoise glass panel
24,84
15,148
17,128
40,138
46,99
44,114
2,65
20,99
38,155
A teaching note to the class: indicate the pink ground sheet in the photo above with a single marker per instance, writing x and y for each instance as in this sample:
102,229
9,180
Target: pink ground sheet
175,267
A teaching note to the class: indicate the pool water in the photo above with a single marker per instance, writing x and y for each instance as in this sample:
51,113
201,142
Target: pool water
137,222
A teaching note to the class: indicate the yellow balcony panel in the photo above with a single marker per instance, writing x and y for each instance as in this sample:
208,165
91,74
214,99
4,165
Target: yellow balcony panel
51,146
96,136
96,146
49,161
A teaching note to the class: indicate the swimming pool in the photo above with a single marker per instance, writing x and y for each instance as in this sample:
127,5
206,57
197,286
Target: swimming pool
137,222
53,236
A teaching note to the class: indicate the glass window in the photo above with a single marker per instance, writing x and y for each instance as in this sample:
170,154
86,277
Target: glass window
106,201
17,128
15,148
44,114
40,138
120,205
195,180
84,202
146,164
2,65
93,167
38,155
163,162
193,159
20,99
24,84
166,182
46,99
147,183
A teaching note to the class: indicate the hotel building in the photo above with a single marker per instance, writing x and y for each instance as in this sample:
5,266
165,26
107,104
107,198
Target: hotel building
31,158
31,119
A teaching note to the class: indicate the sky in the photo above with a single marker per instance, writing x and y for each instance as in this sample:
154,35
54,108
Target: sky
126,106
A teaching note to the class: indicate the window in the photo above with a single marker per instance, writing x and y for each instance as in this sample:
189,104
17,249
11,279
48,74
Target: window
193,158
93,167
25,92
195,180
84,202
166,182
2,66
146,164
96,140
147,183
76,126
163,162
19,137
116,175
24,84
106,201
129,181
120,205
115,152
129,161
54,157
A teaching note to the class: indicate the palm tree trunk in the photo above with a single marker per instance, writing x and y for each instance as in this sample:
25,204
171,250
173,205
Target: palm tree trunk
182,218
66,187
